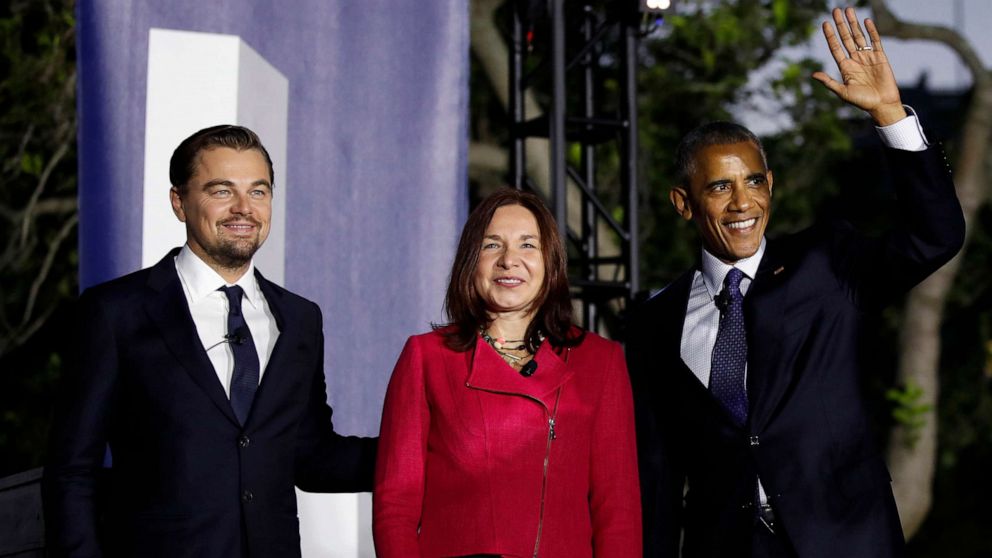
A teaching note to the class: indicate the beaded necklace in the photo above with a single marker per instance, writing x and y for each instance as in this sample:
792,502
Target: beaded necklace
499,344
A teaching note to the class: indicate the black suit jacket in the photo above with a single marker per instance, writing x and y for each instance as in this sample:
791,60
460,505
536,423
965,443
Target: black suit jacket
187,478
807,433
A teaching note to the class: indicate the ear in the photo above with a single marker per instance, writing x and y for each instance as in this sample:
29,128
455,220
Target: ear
177,204
771,180
680,199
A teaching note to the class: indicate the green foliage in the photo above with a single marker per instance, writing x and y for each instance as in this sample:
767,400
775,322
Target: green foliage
37,164
31,164
38,216
696,68
958,524
966,394
698,71
908,411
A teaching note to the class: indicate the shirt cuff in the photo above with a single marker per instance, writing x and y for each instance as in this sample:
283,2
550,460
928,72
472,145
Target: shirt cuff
907,134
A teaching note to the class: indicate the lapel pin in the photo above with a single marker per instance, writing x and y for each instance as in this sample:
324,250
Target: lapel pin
779,270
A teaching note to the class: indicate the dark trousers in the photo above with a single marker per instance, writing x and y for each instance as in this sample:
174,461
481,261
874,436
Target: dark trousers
765,544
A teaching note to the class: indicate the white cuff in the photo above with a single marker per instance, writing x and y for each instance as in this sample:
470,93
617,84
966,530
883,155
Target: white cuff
907,134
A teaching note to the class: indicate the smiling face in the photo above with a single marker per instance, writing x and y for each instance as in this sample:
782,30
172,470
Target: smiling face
510,272
729,198
227,207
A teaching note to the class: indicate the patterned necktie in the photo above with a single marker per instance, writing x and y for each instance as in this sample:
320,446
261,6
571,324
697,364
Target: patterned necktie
730,349
244,382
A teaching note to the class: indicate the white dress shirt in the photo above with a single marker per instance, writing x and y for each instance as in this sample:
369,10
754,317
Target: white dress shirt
209,308
702,317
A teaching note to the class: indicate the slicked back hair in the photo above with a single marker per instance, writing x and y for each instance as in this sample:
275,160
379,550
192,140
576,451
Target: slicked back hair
182,166
714,133
467,310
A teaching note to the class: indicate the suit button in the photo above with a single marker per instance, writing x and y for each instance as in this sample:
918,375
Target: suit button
244,441
247,496
755,441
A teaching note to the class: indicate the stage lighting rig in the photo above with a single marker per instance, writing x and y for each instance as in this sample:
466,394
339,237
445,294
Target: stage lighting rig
657,6
653,14
588,51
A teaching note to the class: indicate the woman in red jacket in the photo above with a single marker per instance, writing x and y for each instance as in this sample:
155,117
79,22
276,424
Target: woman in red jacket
508,432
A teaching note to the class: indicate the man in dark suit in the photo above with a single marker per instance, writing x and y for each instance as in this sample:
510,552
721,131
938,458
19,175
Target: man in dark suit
206,382
746,367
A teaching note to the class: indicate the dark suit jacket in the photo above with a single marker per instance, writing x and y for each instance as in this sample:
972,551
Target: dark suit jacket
187,478
807,433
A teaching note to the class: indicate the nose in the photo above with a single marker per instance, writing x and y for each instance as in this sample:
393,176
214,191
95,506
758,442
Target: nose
506,259
241,204
741,198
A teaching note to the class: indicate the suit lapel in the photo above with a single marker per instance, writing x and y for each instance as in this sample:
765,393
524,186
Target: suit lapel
274,377
277,306
670,331
763,317
167,307
673,340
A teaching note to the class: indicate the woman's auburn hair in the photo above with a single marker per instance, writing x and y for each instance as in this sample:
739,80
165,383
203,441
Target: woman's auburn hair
466,310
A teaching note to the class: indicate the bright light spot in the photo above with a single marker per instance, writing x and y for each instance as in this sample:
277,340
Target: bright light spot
659,4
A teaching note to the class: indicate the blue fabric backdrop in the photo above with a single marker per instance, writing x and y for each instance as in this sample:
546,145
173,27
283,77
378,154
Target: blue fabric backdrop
376,158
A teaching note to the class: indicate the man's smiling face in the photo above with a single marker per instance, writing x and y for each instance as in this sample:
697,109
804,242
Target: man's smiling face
729,198
227,206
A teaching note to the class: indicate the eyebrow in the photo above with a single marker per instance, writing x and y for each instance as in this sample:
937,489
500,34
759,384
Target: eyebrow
719,181
226,182
522,237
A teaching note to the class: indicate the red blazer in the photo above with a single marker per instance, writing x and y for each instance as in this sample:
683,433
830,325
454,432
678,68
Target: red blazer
475,458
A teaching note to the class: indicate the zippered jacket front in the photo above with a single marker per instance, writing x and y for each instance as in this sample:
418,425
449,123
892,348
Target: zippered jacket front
476,459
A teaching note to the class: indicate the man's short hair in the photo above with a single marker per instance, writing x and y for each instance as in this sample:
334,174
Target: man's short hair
182,166
714,133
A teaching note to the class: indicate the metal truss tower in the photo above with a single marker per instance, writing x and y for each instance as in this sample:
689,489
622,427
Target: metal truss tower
581,49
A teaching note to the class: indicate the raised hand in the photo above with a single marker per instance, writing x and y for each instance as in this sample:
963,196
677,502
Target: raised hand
868,81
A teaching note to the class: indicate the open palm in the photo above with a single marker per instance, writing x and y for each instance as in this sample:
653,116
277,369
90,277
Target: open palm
867,81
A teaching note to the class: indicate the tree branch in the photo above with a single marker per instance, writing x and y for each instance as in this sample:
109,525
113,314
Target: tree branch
888,24
40,188
913,467
55,206
46,266
25,333
49,206
13,163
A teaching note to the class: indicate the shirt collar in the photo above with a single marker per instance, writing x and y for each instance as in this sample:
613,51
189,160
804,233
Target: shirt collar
714,270
201,280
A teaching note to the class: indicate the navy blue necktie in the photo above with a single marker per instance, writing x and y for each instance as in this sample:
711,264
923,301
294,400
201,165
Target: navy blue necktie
244,382
730,349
